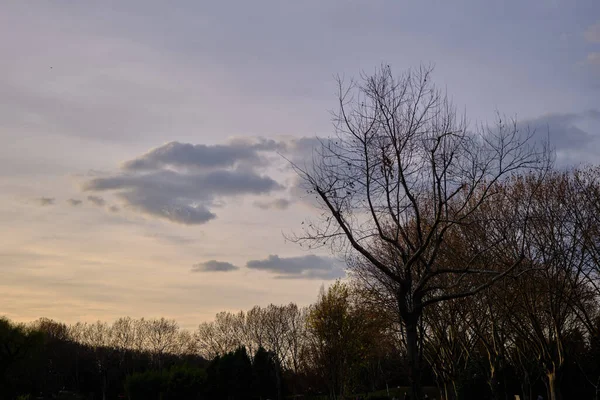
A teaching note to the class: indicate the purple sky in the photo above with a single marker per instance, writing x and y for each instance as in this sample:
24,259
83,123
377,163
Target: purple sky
103,106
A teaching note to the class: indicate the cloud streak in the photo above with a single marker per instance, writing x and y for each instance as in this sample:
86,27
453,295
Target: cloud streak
200,156
301,267
569,133
214,266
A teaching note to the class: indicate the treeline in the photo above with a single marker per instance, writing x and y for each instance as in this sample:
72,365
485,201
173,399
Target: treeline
231,376
333,347
46,357
524,336
500,343
338,346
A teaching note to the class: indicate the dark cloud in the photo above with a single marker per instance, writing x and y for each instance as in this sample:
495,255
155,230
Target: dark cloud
214,266
569,134
301,151
200,156
222,182
186,196
306,145
302,267
45,201
184,183
74,202
96,200
277,204
113,209
563,129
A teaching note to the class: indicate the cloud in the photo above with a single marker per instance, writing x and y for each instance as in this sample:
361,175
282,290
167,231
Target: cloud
592,34
74,202
302,267
301,151
45,201
96,200
214,266
277,204
183,182
569,133
200,156
113,209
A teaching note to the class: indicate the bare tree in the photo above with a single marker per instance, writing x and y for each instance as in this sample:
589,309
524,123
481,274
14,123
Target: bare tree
584,185
123,334
185,343
52,329
161,337
551,297
221,336
97,336
255,329
488,314
295,318
123,338
448,343
402,172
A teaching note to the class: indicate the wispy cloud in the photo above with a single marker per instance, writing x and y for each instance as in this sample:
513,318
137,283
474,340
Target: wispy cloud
45,201
214,266
74,202
96,200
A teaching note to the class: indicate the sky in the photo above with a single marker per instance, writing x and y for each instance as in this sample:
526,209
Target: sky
142,142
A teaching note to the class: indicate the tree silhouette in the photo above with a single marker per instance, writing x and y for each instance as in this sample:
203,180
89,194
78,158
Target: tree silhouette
402,174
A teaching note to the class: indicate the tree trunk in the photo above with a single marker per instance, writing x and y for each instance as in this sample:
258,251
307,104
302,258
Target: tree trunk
446,395
526,387
440,389
77,370
455,389
553,386
104,386
494,383
412,350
